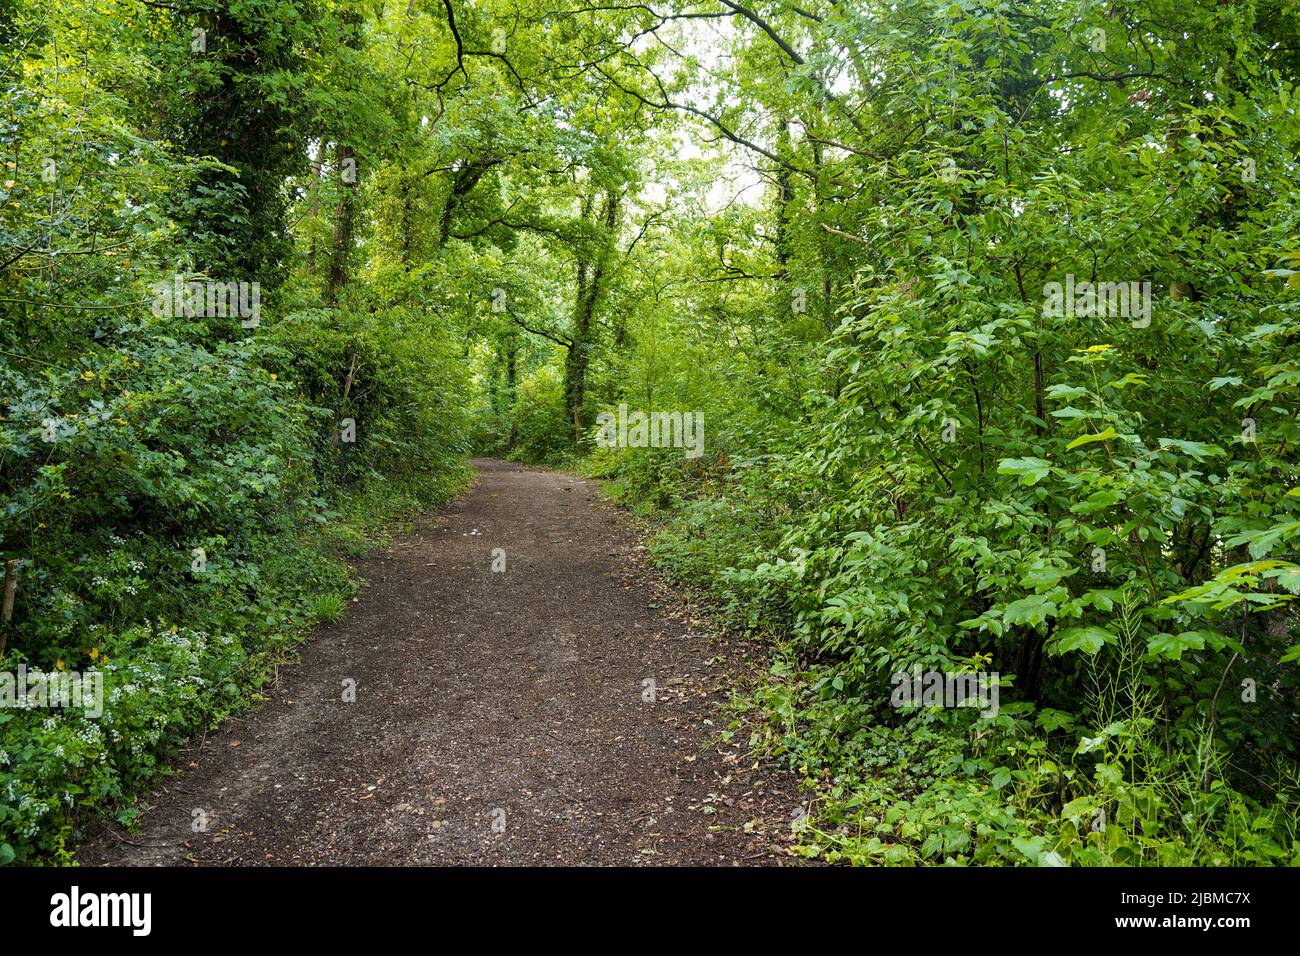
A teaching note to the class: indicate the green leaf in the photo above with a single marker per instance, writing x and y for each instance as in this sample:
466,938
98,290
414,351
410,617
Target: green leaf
1066,392
1087,639
1041,578
1032,610
1050,719
1172,646
1030,470
1106,435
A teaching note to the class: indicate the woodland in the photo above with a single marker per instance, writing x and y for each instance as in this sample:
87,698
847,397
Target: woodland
984,314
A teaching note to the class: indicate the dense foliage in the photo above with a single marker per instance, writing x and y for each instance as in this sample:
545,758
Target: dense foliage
176,486
851,235
933,469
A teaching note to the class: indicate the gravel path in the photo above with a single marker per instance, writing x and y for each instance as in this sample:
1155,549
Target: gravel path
500,716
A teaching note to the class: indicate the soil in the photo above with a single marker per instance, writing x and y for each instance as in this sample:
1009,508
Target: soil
501,717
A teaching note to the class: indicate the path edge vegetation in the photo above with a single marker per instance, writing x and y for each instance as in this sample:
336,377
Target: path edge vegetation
319,591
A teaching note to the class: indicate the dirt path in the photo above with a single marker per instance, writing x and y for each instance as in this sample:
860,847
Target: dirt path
499,716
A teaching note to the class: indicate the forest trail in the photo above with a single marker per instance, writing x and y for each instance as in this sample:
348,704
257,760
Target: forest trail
499,715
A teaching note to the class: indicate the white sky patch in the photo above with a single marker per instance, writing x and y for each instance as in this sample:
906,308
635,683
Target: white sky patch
705,44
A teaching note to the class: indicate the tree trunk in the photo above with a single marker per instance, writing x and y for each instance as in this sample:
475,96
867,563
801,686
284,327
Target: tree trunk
591,287
344,220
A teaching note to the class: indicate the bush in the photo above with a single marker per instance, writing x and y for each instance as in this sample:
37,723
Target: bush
176,535
543,431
